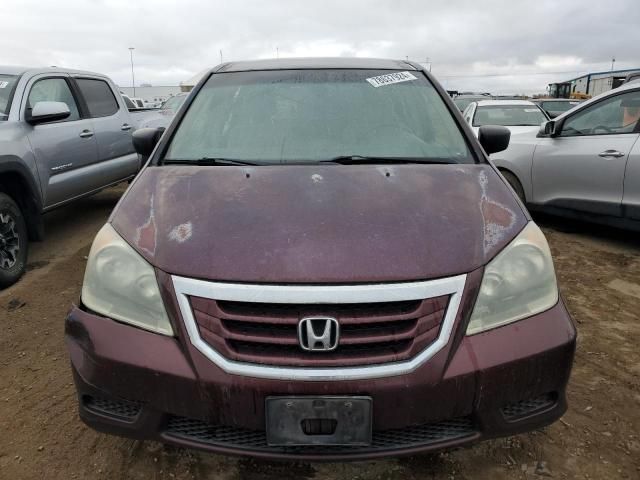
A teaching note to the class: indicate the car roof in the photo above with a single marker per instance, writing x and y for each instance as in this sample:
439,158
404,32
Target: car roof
315,63
483,103
18,70
557,100
472,96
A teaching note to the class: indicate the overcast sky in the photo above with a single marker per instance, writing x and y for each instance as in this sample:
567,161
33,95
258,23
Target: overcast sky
468,42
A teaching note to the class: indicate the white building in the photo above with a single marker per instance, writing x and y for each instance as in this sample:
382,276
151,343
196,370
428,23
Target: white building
188,85
599,82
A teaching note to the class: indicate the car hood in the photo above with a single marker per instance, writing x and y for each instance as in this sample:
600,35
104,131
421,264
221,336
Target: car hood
318,223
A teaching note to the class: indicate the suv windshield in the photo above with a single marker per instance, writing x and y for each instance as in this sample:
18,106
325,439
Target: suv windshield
508,115
558,106
298,116
7,85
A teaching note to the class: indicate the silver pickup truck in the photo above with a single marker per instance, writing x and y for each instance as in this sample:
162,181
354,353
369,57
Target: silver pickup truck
64,134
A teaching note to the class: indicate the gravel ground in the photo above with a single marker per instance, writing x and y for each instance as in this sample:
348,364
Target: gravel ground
598,438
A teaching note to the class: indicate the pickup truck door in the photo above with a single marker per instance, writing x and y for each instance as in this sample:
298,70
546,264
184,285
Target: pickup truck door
584,167
63,149
113,128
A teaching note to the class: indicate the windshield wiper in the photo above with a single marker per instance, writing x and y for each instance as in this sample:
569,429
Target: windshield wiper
364,160
208,161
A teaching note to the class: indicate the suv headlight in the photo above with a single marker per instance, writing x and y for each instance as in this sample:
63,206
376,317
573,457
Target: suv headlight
519,282
120,284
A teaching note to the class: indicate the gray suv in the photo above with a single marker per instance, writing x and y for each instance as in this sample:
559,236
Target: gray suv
64,134
585,163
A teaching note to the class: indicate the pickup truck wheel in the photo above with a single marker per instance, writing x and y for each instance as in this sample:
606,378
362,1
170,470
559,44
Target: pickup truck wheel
13,242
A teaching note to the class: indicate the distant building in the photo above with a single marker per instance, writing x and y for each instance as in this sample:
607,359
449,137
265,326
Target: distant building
599,82
152,94
188,85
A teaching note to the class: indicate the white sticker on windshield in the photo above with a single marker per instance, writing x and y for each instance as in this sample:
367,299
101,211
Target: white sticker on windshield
531,110
391,78
4,84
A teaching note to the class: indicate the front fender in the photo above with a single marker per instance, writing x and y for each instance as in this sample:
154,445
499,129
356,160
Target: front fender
518,159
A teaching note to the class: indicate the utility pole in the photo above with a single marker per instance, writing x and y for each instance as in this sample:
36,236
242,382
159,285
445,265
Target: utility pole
613,62
429,63
220,55
277,52
133,78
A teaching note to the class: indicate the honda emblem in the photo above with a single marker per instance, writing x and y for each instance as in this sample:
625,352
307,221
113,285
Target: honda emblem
318,334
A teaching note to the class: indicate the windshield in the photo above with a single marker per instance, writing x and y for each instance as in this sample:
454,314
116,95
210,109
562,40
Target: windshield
7,85
174,102
298,116
559,106
508,115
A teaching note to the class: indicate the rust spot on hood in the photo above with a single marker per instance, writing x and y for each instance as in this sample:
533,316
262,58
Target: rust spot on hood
498,219
145,238
181,233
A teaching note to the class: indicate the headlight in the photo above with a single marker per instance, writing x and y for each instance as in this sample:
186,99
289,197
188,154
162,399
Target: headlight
120,284
519,282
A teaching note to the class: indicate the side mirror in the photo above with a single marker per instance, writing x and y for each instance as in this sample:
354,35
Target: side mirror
494,138
47,112
547,129
146,139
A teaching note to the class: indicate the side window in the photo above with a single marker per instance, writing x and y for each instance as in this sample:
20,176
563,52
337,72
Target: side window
53,90
99,97
618,114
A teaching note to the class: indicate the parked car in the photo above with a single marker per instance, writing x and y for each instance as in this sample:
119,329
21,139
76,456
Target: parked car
632,77
555,106
138,102
128,102
585,163
165,113
320,262
64,134
462,101
519,116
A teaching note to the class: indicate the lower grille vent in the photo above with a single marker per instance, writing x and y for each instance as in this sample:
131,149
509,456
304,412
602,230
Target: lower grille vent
514,411
384,440
115,408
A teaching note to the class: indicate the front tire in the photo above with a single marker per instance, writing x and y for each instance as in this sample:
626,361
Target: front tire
14,242
515,184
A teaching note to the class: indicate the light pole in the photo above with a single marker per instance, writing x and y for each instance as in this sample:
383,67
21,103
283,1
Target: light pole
133,78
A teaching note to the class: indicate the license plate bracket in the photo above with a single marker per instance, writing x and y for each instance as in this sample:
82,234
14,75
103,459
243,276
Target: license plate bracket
325,420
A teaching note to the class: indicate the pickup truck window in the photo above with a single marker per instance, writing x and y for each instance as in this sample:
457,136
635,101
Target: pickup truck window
298,116
99,97
7,86
53,90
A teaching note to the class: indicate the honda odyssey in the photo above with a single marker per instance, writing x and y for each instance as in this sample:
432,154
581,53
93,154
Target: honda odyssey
319,262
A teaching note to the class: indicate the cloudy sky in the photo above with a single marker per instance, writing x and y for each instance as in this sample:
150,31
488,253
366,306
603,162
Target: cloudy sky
502,46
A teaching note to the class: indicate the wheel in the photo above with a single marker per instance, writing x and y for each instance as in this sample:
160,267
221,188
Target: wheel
13,242
515,184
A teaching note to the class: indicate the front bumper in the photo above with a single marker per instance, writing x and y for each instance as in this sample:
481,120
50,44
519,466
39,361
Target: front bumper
147,386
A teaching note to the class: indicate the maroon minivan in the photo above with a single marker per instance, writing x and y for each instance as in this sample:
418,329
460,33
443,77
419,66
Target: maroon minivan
319,262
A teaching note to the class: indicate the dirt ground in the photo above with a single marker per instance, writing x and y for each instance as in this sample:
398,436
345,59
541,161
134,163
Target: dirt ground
599,438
